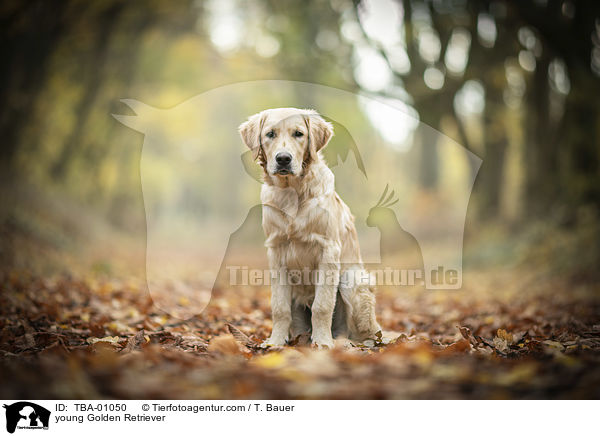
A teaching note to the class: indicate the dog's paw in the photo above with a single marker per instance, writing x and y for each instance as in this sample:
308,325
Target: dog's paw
322,342
273,342
343,343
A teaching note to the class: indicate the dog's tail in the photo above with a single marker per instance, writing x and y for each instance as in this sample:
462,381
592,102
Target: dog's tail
360,307
363,313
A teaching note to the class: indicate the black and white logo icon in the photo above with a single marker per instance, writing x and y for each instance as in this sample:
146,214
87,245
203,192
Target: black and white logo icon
26,415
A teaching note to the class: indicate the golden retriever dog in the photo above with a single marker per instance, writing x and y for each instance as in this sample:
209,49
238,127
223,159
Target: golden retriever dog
309,231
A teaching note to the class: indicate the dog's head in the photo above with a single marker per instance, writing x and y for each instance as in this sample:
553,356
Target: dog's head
286,140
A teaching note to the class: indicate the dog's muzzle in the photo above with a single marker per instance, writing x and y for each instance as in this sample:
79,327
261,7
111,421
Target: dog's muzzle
284,161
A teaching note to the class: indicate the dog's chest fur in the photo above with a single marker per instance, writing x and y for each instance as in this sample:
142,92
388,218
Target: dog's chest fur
296,250
297,229
295,233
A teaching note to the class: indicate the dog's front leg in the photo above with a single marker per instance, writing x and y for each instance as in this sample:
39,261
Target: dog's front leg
281,301
324,303
281,308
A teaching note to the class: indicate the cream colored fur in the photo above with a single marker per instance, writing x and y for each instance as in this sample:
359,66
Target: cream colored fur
308,226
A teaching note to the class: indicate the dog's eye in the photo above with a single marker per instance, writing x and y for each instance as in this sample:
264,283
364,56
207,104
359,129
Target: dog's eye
298,134
270,134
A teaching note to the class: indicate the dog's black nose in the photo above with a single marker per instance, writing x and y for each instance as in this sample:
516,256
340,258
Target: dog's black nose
283,158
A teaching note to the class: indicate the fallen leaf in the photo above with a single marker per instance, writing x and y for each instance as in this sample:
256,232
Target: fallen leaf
240,336
110,339
553,344
226,344
503,334
500,344
135,342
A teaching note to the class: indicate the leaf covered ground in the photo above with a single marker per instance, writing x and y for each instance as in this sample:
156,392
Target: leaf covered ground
506,334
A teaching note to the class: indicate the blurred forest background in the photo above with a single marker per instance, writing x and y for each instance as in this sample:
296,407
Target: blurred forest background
517,83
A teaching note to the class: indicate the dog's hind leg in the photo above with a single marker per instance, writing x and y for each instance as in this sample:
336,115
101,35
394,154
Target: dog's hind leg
300,320
339,326
360,306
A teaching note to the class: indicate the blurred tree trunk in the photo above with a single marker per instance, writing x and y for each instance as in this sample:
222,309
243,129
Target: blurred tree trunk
126,63
495,143
26,56
540,163
96,76
428,151
25,59
487,64
581,130
426,102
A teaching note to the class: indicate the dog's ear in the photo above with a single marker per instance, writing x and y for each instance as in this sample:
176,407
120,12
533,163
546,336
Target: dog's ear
320,131
250,133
